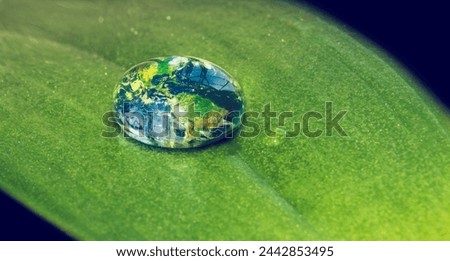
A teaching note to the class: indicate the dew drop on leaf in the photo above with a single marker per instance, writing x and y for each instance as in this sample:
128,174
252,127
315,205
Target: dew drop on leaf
178,102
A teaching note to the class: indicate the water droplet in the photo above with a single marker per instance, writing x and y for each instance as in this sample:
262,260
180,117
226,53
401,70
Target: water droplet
277,138
178,102
134,31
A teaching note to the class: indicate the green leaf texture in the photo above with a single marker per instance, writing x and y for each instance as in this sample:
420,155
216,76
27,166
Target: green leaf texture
389,179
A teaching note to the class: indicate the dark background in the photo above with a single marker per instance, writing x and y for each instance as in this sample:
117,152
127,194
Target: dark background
415,33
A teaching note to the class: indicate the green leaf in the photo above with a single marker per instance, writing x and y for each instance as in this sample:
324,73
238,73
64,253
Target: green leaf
59,62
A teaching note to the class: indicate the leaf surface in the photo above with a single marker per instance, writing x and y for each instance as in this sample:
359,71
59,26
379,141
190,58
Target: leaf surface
388,179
